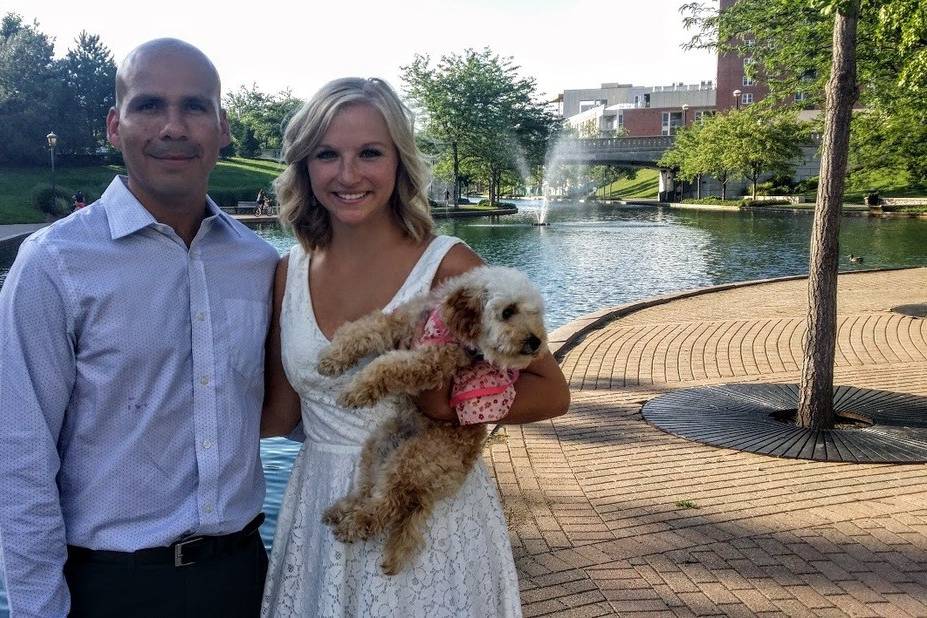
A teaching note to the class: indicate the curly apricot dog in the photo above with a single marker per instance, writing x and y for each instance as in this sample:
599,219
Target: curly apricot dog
411,461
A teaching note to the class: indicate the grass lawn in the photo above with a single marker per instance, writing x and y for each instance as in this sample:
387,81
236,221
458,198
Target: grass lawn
16,183
644,185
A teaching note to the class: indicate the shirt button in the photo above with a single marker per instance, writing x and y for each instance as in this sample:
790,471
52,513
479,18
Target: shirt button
206,444
204,380
200,316
207,508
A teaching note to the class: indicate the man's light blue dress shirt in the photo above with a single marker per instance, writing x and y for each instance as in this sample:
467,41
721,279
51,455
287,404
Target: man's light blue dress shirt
131,380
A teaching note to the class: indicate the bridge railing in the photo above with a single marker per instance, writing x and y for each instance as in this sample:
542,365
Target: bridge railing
660,142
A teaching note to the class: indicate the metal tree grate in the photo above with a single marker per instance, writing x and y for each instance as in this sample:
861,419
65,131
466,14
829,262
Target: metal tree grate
745,417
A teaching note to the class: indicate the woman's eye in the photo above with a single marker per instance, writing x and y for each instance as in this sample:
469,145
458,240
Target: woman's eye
370,153
325,154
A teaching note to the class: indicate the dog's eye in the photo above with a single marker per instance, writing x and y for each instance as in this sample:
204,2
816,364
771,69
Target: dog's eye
509,312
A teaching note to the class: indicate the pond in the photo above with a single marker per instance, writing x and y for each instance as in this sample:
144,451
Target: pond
594,256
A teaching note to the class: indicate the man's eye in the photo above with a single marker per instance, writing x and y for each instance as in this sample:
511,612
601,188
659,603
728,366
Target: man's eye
196,106
147,106
370,153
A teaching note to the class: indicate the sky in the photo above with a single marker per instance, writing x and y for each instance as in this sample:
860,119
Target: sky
301,45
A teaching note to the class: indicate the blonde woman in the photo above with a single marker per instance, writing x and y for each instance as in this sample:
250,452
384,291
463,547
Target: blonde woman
354,194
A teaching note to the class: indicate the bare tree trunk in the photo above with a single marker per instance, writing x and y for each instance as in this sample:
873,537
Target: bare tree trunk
816,400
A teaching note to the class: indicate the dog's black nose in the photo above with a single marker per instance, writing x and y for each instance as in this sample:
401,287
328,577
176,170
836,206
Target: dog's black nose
532,344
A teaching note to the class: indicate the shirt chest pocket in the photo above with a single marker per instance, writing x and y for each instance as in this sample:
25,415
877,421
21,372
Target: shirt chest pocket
246,321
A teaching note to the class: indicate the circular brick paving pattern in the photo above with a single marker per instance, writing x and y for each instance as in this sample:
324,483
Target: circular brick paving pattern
880,427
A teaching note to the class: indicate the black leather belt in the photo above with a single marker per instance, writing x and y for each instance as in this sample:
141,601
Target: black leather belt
179,554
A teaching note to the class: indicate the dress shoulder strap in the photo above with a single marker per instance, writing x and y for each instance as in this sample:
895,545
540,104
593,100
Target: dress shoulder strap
419,280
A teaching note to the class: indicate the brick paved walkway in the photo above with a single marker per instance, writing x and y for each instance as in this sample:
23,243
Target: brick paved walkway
609,515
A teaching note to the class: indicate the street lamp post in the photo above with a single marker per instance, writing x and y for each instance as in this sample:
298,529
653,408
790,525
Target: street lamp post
685,109
737,94
52,143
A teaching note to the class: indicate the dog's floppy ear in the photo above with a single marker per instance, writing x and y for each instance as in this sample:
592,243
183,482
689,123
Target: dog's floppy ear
463,313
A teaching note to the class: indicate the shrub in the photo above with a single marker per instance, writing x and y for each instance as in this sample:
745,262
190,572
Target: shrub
56,204
749,202
712,201
485,204
230,197
808,185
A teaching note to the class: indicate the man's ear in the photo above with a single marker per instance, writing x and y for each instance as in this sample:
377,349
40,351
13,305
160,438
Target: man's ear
463,313
112,128
226,138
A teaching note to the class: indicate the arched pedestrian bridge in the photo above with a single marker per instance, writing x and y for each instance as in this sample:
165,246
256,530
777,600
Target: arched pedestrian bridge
633,151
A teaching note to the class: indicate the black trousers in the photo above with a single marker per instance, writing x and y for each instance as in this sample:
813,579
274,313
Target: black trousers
227,586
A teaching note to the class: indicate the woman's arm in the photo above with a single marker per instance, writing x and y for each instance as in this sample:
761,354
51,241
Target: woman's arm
280,412
541,391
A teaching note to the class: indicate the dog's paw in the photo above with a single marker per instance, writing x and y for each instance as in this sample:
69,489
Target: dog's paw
330,367
354,525
333,514
390,566
357,399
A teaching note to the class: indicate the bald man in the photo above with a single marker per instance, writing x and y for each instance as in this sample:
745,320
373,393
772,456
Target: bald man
131,376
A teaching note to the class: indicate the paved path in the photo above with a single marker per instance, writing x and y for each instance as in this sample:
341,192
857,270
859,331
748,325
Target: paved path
609,515
11,231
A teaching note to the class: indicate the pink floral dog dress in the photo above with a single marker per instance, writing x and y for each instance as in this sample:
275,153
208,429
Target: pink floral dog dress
481,393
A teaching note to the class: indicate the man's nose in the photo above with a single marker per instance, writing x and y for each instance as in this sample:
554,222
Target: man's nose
175,124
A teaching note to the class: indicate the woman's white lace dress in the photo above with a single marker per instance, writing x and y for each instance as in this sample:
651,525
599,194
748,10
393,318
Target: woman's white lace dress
466,568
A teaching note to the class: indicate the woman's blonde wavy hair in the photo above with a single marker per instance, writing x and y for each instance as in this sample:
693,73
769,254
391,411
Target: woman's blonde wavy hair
299,208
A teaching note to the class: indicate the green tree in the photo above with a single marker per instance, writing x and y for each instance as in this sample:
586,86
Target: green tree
763,141
790,43
257,119
479,112
706,148
29,89
90,76
794,39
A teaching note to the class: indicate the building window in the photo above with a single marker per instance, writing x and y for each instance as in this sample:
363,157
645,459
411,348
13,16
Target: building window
620,121
671,122
702,114
801,96
749,71
746,98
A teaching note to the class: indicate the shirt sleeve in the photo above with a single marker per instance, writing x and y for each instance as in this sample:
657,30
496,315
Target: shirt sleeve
37,374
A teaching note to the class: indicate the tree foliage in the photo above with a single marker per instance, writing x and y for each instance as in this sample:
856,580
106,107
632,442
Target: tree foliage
39,94
257,119
479,114
789,44
745,143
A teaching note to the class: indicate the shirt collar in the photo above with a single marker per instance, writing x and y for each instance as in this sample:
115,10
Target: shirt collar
126,215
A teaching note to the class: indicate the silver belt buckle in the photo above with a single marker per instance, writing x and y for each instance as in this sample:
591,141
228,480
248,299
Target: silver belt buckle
178,551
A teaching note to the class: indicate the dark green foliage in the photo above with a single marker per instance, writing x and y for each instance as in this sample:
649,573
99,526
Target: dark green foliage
231,196
39,94
790,44
59,206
